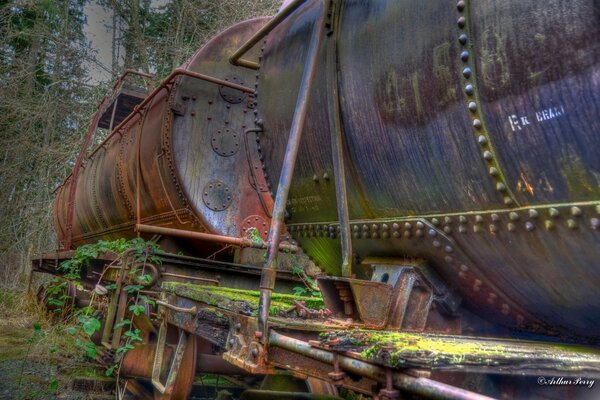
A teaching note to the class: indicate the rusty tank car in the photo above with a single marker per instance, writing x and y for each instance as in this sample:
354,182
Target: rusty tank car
434,166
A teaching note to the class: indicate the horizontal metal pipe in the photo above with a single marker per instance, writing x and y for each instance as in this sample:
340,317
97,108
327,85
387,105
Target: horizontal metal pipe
236,57
421,386
209,237
192,278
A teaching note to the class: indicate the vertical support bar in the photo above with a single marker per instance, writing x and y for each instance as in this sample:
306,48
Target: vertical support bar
267,282
337,149
112,115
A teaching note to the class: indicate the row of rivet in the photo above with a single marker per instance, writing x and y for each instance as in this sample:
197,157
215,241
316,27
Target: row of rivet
417,229
514,217
476,118
258,122
465,273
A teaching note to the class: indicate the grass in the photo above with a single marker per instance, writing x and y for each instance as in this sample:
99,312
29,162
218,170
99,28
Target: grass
38,360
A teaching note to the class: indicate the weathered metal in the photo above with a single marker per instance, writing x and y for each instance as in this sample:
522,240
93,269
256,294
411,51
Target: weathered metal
144,171
431,173
236,241
267,283
422,386
477,120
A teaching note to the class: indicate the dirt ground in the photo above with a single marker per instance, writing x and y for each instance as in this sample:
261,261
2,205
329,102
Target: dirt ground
38,360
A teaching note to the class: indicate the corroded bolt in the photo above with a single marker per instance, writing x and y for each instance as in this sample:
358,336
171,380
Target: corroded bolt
469,89
460,6
533,213
495,217
549,225
461,22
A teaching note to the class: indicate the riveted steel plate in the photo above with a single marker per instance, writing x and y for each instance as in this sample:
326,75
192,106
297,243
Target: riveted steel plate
231,95
225,141
217,196
257,222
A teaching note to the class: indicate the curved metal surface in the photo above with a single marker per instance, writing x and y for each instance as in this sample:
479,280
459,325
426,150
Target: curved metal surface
479,119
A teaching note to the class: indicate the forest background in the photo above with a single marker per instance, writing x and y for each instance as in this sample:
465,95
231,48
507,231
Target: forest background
48,94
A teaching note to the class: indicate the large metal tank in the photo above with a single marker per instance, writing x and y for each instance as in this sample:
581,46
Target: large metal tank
471,138
182,161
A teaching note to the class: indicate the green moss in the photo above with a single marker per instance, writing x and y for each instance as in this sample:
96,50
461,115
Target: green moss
238,300
403,349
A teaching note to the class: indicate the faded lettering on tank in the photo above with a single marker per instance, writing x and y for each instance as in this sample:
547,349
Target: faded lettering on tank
519,122
305,203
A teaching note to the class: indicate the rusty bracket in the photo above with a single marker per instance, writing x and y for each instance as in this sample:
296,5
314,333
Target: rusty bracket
243,347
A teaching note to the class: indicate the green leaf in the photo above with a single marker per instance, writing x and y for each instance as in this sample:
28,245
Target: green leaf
53,385
91,325
122,323
137,309
90,350
109,371
71,330
37,327
147,300
146,279
132,288
53,349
